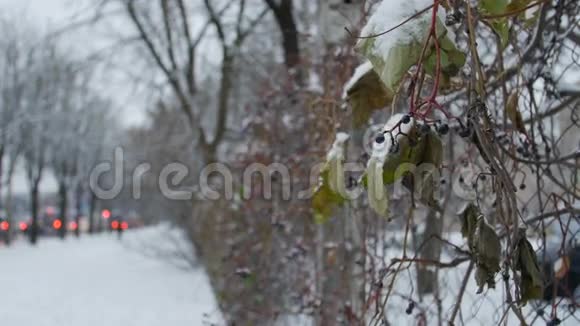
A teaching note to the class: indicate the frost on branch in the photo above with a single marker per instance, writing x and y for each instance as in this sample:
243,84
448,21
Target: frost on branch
392,54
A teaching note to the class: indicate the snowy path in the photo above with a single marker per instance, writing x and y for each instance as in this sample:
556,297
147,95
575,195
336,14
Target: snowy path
99,281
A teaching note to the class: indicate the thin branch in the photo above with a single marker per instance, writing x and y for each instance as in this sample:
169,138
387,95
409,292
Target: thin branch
168,33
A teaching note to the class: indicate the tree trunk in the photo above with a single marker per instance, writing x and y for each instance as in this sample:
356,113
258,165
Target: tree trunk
34,212
1,171
283,13
92,207
8,219
430,250
8,201
78,201
63,202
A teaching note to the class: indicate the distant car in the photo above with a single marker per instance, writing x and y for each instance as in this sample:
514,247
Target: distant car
117,223
24,226
562,273
562,269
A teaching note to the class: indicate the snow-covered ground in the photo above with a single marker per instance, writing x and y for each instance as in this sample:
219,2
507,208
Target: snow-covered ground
101,281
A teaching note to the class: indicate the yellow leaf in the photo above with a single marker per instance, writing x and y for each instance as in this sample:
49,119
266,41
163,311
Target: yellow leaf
517,5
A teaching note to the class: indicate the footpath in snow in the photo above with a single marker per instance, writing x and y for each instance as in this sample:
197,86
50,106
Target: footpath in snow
99,280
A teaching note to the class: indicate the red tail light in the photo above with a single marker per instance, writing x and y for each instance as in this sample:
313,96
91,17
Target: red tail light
57,224
23,226
115,225
124,225
73,225
4,226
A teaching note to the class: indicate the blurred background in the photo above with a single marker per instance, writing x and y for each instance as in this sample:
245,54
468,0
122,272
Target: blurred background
112,110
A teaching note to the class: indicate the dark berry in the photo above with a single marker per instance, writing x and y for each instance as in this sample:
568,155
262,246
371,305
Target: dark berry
380,139
443,181
482,177
443,129
522,186
453,18
520,150
461,180
406,119
505,277
464,132
540,312
410,308
554,322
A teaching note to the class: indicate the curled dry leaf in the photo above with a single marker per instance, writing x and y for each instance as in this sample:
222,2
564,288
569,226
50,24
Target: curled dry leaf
469,217
514,114
531,280
488,254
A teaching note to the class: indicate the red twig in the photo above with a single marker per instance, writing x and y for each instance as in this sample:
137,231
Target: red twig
431,102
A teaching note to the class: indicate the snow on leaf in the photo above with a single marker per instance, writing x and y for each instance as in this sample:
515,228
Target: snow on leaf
332,189
335,159
394,53
366,93
359,72
376,190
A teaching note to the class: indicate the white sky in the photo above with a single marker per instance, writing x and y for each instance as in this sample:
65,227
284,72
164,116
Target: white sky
51,15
